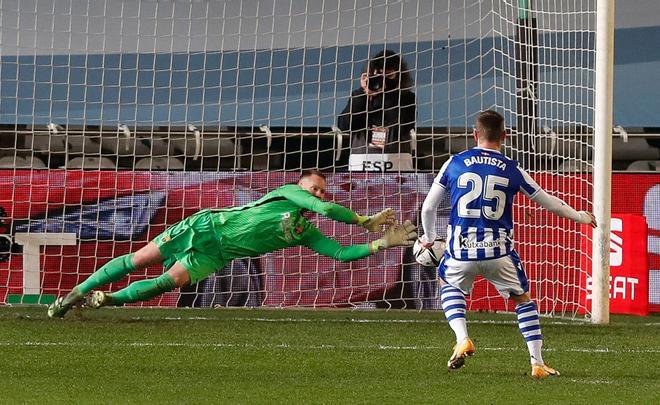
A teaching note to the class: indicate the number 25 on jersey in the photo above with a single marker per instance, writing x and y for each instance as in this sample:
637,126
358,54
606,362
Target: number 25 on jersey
485,190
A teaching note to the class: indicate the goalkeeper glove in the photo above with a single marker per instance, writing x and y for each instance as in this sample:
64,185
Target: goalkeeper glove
396,235
373,222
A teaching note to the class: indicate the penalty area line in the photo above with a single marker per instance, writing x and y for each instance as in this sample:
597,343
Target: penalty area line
270,346
353,320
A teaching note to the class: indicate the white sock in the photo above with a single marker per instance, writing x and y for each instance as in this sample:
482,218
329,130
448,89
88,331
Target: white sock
534,348
459,326
530,327
453,304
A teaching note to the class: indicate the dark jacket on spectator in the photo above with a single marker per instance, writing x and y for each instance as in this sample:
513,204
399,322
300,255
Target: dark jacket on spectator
395,110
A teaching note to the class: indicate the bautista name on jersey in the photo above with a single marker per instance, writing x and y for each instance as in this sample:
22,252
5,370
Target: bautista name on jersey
484,160
482,184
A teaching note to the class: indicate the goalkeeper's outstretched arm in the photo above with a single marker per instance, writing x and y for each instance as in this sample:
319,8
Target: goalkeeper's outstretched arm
304,199
397,235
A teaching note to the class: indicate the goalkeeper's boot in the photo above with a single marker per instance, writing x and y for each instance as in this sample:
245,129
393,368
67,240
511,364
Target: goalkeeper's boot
543,371
62,305
58,309
99,299
463,349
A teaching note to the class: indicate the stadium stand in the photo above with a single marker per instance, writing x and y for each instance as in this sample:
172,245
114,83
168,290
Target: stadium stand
91,162
21,162
633,148
211,152
644,166
247,148
159,163
575,166
43,142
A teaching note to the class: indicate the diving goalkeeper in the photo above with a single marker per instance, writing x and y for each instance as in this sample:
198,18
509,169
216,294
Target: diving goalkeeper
206,241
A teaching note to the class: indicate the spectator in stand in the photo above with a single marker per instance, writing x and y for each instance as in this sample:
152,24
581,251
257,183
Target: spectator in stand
381,113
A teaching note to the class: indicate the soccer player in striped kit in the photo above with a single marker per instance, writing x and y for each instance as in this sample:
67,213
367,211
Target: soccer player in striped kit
481,183
204,242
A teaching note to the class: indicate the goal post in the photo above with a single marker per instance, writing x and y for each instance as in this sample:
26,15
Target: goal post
121,118
603,160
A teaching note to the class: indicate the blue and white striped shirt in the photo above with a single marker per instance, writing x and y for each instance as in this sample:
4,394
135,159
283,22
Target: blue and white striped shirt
482,184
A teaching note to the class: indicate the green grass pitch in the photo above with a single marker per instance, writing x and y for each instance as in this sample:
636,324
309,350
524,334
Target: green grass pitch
300,356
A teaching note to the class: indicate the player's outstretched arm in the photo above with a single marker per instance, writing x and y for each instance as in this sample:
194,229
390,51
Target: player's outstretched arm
590,216
553,204
397,235
331,248
304,199
372,223
559,207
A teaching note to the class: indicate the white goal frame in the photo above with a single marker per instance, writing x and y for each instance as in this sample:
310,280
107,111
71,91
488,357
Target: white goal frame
602,197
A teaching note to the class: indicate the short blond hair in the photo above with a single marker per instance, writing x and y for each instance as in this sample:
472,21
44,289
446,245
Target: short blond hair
311,172
490,126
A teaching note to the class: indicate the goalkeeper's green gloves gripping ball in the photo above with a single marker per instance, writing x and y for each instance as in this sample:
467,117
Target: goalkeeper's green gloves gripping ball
372,223
404,234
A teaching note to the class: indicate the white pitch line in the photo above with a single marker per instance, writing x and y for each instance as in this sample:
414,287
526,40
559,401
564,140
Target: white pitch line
305,347
544,320
594,382
440,319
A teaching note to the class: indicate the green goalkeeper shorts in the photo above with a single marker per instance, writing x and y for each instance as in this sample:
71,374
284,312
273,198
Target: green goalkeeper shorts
193,243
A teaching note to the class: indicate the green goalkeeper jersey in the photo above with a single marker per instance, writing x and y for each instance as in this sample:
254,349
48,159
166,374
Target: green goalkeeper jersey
276,221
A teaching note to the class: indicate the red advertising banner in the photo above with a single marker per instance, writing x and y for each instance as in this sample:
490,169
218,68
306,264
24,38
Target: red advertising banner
107,214
629,270
639,194
104,214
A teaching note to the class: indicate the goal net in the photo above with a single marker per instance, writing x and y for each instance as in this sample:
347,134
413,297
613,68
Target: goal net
121,118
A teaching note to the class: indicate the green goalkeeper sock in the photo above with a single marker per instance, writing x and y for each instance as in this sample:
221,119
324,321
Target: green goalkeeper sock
114,270
143,290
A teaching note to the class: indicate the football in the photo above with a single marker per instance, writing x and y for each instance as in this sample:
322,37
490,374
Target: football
429,257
